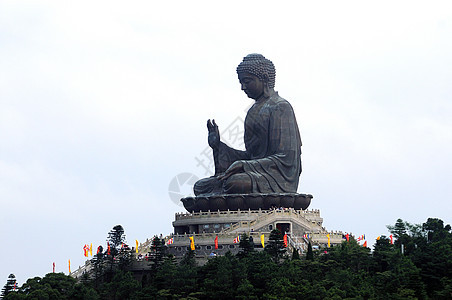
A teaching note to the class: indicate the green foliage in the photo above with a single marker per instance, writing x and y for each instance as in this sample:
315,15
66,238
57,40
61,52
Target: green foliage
309,253
116,238
246,245
53,286
118,257
122,286
346,271
157,253
275,246
9,286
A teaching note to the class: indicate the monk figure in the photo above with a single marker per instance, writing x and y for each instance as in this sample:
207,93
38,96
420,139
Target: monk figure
271,162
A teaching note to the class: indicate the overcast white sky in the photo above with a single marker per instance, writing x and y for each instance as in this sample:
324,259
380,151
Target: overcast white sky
102,104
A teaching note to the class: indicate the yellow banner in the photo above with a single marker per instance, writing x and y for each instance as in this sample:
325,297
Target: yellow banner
192,243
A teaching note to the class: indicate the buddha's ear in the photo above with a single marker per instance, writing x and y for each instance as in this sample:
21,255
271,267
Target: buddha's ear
265,79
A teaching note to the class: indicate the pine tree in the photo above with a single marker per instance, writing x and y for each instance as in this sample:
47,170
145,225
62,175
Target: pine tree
275,246
310,254
98,266
187,274
246,245
9,286
295,254
117,255
115,238
158,251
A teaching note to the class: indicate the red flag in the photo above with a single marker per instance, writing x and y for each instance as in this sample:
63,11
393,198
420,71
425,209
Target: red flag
216,242
392,242
347,236
285,240
108,249
53,267
99,249
365,244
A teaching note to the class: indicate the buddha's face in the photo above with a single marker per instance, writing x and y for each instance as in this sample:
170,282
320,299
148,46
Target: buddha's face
251,85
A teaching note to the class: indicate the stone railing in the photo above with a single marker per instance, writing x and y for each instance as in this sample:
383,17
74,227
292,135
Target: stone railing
81,269
203,214
218,213
208,238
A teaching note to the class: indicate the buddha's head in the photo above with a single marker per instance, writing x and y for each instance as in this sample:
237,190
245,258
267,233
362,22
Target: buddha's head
256,75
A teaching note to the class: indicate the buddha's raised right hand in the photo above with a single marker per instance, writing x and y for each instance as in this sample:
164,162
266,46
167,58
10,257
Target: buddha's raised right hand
214,134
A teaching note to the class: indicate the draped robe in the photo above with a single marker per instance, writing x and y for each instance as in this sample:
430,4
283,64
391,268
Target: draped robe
272,158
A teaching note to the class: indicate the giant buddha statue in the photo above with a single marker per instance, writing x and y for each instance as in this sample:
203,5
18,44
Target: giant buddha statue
270,165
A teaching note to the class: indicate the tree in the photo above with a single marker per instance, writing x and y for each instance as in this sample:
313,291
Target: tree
435,257
295,254
115,238
122,286
399,229
166,276
118,254
158,251
98,269
435,229
217,278
9,286
309,254
275,246
246,245
124,257
187,274
53,286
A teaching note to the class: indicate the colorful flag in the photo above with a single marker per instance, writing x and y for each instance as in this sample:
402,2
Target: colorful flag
91,249
216,242
378,238
53,267
263,240
15,285
285,240
347,236
392,241
170,241
306,235
192,243
136,246
99,249
328,236
69,261
108,248
236,240
85,250
365,244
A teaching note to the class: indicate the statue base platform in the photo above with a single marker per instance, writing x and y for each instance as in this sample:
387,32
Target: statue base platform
246,202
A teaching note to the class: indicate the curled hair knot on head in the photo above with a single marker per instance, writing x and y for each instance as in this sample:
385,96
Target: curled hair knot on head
259,66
